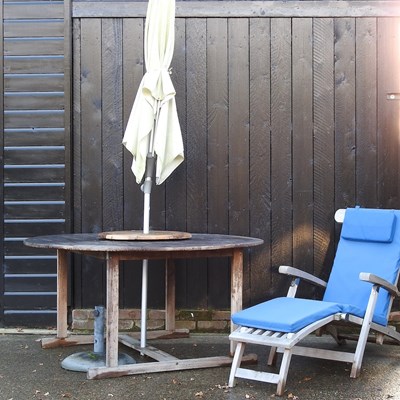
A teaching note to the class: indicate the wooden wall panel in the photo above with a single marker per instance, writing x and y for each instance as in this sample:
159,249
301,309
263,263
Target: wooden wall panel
388,111
286,115
324,142
35,119
366,116
260,156
133,70
303,142
217,150
272,112
281,145
196,143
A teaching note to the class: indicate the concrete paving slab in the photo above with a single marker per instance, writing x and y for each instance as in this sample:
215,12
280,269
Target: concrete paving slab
29,372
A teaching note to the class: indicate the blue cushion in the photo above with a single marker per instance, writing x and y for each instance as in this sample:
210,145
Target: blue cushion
370,225
285,314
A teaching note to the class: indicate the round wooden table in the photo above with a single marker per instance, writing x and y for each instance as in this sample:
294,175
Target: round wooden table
114,251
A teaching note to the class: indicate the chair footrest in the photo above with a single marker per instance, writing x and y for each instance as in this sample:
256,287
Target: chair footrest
257,375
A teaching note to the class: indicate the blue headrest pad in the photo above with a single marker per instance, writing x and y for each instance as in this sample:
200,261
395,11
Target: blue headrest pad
369,225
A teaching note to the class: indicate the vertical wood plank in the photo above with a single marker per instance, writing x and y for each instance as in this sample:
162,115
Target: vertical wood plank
281,142
196,152
260,157
67,104
323,103
218,151
388,112
175,213
93,279
217,103
366,120
91,112
77,126
112,108
77,159
345,144
239,120
302,87
133,71
238,73
175,186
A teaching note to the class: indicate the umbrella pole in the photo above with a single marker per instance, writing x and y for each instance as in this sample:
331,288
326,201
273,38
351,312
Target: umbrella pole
143,321
143,314
146,188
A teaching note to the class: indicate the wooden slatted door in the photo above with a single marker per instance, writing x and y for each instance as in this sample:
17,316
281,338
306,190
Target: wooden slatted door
35,156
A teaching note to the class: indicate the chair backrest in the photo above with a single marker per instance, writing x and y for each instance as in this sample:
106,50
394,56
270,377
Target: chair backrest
369,242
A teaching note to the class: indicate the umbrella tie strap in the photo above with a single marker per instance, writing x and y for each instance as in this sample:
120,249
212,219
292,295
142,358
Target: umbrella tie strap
149,173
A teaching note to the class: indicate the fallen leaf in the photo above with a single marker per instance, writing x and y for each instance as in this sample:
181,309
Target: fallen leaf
199,394
222,386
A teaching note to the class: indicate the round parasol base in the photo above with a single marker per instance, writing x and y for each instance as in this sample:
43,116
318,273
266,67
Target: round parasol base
139,235
82,362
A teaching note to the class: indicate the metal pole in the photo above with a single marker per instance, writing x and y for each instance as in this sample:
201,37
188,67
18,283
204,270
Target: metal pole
98,347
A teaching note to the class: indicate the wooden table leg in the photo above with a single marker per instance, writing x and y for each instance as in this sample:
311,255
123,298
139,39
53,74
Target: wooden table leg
169,295
236,287
112,310
62,294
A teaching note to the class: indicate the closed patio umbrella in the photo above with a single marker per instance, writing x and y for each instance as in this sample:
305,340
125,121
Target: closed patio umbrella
153,133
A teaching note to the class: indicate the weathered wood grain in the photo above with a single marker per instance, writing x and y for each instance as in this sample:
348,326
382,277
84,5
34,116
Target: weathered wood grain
196,150
366,121
244,9
285,115
281,144
345,118
217,150
112,129
388,112
302,153
259,157
324,159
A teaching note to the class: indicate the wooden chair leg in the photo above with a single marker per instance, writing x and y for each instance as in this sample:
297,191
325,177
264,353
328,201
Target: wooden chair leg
237,359
272,356
287,356
362,340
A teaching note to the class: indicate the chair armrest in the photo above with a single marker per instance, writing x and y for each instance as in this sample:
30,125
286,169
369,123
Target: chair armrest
284,269
376,280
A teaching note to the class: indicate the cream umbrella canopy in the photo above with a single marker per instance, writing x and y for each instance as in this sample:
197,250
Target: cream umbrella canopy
153,133
153,126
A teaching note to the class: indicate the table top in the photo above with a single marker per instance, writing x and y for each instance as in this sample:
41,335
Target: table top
92,243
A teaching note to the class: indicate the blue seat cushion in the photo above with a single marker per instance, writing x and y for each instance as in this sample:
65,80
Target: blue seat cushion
285,314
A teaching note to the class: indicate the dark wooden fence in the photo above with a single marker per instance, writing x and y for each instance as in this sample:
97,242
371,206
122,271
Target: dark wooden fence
289,110
286,117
